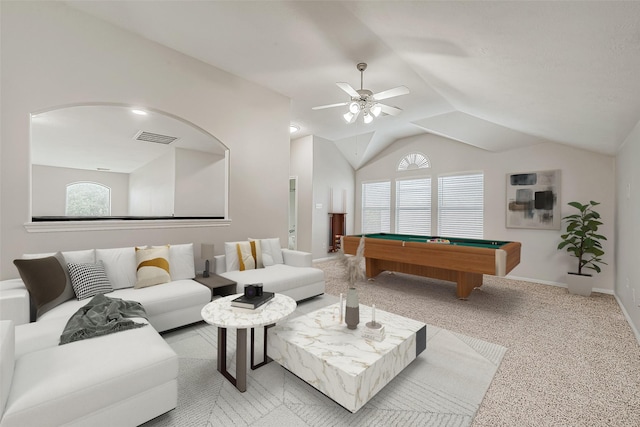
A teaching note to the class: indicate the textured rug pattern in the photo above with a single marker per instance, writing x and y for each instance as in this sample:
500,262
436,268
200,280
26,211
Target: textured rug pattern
572,360
443,387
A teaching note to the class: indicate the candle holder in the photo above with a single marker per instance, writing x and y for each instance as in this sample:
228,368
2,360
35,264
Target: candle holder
373,330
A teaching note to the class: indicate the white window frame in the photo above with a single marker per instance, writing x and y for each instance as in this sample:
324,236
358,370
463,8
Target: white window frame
413,216
461,211
95,184
413,161
382,206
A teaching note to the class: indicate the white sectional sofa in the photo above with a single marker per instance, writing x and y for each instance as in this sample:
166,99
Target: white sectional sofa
279,270
125,378
121,379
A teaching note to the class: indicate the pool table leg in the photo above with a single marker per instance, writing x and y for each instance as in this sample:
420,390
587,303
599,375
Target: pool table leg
466,283
372,267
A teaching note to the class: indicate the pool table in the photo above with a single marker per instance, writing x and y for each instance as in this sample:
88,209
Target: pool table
462,261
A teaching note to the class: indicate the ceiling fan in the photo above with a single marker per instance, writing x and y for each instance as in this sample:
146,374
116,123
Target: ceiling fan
365,101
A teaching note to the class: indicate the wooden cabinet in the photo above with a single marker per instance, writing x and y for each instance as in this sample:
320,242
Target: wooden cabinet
336,230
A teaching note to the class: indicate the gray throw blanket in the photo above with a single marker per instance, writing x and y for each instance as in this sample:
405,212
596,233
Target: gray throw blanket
102,316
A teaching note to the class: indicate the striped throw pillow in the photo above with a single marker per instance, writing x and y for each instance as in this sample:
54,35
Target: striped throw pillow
249,255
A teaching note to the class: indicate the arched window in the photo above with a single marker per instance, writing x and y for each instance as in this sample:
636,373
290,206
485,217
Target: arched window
88,199
413,161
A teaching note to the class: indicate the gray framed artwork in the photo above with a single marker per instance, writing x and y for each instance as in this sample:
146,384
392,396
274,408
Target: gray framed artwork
533,200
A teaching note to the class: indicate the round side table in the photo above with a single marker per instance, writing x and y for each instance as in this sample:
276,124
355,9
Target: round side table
220,313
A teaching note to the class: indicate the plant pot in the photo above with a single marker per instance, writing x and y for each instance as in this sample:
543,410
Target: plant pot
580,284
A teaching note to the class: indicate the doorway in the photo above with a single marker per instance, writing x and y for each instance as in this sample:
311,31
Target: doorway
293,212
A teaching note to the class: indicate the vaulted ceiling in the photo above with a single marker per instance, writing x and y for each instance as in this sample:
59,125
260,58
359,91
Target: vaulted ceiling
496,75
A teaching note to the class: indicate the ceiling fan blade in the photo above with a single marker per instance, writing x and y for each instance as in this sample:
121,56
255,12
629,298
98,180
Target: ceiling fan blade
387,109
390,93
322,107
347,88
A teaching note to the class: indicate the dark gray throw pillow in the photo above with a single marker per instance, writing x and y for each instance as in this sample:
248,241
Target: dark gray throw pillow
46,280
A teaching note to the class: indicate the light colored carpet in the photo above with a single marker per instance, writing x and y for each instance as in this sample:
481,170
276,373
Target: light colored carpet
572,361
442,387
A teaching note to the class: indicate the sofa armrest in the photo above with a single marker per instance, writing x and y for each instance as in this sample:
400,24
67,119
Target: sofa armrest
7,361
296,258
220,264
14,302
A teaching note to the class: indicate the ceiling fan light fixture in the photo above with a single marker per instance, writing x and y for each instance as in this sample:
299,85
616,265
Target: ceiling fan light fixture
348,116
368,118
376,110
354,108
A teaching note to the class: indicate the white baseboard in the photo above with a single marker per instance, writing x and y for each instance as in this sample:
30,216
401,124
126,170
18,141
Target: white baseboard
626,316
558,284
329,258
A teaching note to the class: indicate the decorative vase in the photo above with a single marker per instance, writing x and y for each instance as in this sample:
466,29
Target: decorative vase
352,312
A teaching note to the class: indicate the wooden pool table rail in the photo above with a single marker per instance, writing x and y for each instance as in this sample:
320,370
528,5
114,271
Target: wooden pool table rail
463,265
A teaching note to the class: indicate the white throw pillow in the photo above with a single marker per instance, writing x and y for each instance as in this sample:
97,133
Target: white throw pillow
152,266
181,261
271,251
231,256
120,265
87,256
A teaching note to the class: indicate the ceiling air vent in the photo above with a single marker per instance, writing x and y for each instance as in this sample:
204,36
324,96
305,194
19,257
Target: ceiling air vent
154,137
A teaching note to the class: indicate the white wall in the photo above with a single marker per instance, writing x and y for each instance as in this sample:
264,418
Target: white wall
628,227
330,171
152,187
49,189
584,176
53,55
197,189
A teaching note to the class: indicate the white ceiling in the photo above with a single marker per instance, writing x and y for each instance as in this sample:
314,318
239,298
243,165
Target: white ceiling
496,75
104,137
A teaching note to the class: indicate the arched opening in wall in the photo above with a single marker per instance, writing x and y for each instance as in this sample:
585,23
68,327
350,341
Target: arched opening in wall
88,199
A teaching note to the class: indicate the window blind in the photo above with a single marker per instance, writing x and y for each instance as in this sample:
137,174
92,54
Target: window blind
461,205
413,206
376,207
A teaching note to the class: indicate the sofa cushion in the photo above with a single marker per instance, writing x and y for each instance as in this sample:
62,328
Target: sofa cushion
271,251
171,296
96,374
152,266
89,280
276,278
231,255
7,360
181,261
47,280
120,265
83,256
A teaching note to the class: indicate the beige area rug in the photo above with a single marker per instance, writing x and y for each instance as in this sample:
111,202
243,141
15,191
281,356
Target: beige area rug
572,360
444,386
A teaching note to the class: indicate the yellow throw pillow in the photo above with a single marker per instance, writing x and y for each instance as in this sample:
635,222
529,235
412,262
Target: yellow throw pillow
249,255
153,266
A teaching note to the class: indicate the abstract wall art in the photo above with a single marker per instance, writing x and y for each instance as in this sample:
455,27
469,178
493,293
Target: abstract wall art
533,200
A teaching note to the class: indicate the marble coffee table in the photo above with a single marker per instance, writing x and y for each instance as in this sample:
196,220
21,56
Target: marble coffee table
338,361
220,313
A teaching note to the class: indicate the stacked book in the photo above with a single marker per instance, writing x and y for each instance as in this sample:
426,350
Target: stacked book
252,303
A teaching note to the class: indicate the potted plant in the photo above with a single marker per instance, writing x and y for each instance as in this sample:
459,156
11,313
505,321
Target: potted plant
582,241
